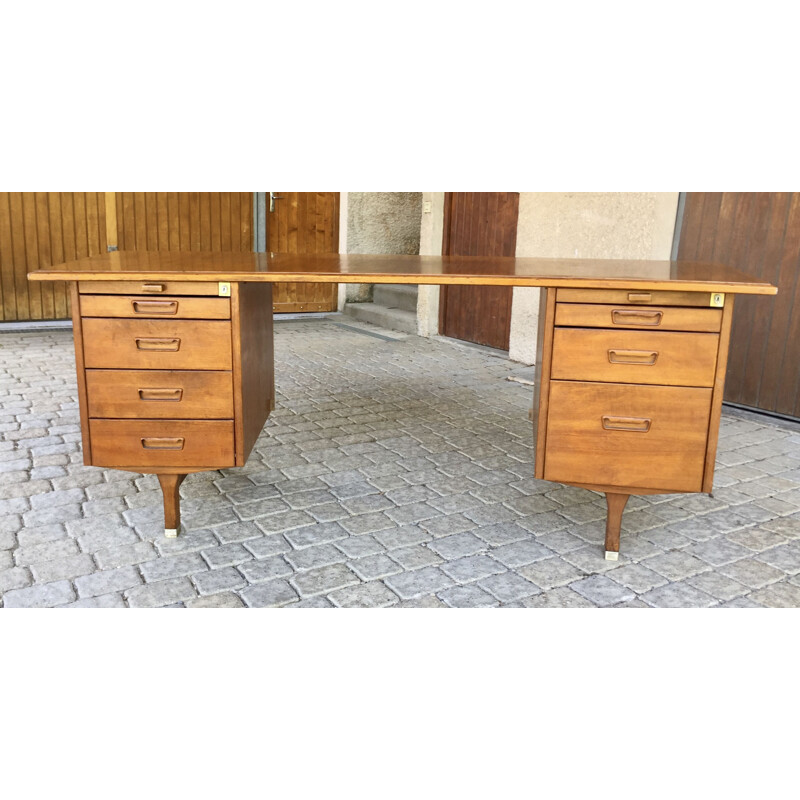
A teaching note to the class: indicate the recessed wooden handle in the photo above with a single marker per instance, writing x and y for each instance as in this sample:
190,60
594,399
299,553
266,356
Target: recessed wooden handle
153,287
644,358
632,424
158,344
173,395
639,297
624,317
162,443
155,306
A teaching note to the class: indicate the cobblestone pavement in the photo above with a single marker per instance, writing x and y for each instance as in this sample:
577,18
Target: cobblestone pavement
394,472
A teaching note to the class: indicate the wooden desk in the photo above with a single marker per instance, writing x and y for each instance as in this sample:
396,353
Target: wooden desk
174,355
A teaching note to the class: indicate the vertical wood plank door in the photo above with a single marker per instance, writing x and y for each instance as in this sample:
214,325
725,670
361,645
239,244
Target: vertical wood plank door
304,222
478,224
758,232
42,229
205,221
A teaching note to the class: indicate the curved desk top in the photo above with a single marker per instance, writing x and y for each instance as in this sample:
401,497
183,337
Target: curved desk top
442,270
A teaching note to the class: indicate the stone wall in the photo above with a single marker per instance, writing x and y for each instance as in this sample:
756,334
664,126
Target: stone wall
381,222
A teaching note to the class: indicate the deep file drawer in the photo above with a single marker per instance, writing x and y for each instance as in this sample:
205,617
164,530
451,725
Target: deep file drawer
625,356
647,437
156,344
159,394
161,443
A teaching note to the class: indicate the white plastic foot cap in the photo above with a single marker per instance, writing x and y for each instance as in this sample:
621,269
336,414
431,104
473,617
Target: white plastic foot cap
611,555
171,533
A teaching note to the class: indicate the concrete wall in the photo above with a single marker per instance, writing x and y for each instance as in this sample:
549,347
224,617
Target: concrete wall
430,244
585,225
379,222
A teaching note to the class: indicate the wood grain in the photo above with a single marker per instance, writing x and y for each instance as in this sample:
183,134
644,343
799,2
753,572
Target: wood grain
625,356
669,456
156,344
129,394
660,318
138,306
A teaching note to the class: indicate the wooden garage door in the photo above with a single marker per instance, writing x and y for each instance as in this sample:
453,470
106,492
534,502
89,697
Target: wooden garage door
303,222
478,224
758,232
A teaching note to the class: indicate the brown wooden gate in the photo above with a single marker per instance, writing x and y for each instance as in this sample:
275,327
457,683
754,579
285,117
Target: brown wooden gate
40,229
758,232
478,224
304,222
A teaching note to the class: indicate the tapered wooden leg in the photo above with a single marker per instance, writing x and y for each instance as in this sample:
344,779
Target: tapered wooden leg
170,487
616,505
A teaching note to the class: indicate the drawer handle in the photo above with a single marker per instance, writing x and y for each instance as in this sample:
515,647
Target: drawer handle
652,318
173,395
153,287
639,297
633,424
155,306
158,344
162,443
645,358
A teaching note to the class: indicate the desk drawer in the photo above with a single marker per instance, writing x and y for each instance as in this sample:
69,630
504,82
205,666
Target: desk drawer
159,394
138,306
630,356
646,437
662,318
625,296
161,443
156,344
154,287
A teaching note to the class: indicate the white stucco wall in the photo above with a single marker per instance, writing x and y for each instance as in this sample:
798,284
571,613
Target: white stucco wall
430,244
585,225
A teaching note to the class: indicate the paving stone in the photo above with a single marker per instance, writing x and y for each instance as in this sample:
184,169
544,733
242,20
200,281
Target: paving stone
14,578
312,602
446,525
468,597
367,523
551,572
42,595
219,580
323,580
113,600
320,533
502,533
268,545
753,574
509,586
637,577
221,600
414,583
458,545
227,555
363,595
266,569
561,597
360,546
718,586
491,514
678,595
411,513
161,593
741,602
124,555
61,569
676,565
172,566
472,568
602,590
405,536
269,595
45,551
41,534
785,557
313,557
519,554
414,557
561,542
108,581
718,551
185,542
778,595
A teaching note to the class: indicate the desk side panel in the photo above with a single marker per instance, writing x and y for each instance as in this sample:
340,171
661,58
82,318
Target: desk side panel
254,363
541,390
80,372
